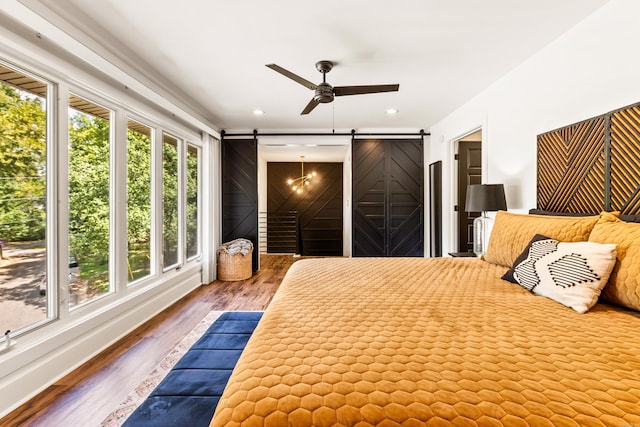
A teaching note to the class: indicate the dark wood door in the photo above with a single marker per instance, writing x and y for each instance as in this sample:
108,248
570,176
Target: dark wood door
319,207
406,196
469,172
435,208
240,192
369,216
388,196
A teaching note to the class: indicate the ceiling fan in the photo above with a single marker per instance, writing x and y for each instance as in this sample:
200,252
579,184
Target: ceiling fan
324,92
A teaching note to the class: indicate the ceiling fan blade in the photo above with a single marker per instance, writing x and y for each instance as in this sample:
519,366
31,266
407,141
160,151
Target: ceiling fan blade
360,90
304,82
310,106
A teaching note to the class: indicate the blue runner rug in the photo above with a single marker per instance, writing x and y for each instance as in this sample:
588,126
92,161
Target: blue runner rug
190,392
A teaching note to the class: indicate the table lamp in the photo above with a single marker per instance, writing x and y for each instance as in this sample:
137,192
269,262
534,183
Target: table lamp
484,198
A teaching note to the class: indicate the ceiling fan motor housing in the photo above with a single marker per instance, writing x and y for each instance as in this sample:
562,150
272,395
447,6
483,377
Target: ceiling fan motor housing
324,66
324,93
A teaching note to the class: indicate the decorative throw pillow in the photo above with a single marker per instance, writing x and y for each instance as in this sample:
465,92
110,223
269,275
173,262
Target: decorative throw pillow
508,276
624,284
511,233
572,274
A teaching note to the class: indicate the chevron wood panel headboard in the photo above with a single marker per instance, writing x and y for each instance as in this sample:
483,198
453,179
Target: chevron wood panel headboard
592,166
625,160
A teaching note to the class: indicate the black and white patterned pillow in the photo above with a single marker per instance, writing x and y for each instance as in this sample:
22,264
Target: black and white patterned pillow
508,275
572,274
525,273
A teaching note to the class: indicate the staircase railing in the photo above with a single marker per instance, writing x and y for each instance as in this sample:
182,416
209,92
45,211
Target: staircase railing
279,232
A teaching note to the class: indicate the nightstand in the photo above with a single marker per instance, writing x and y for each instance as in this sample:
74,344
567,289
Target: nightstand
462,254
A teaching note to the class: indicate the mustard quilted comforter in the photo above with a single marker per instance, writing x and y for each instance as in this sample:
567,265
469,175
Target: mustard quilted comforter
412,342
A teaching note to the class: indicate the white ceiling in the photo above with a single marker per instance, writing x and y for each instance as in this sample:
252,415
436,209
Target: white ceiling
211,55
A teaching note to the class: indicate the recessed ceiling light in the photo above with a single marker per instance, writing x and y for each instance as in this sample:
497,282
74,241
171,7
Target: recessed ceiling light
392,111
258,112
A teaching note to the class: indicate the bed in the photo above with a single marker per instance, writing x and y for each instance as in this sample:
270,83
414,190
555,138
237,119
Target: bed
445,341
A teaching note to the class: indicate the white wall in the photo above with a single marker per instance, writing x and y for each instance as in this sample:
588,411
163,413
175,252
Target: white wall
211,200
590,70
347,200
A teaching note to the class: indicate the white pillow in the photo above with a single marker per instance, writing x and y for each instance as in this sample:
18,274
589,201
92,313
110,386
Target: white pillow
572,274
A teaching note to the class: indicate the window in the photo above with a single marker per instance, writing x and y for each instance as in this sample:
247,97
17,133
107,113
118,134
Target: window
170,201
138,200
192,201
23,200
163,213
89,201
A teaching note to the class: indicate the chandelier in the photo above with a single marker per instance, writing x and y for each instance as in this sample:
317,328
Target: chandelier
298,184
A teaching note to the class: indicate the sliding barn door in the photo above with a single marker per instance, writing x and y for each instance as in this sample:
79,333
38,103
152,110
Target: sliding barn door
240,192
388,193
369,199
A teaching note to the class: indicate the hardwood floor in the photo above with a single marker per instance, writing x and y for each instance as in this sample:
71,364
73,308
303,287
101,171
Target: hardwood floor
87,395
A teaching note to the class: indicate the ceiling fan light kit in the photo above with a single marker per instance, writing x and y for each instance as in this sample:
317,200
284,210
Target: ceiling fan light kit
323,92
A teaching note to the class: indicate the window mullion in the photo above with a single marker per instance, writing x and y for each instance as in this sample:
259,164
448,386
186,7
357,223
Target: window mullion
156,201
118,229
182,202
60,230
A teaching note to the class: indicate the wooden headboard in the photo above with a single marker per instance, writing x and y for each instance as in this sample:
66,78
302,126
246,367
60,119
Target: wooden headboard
593,165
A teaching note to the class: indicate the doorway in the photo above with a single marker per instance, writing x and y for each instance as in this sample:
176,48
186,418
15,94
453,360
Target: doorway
469,160
317,211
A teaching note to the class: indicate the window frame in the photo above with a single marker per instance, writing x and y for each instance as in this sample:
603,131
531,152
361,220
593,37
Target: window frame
51,267
180,182
153,189
114,205
198,255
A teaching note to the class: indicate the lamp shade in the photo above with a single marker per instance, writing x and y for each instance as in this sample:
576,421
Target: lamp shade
485,197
